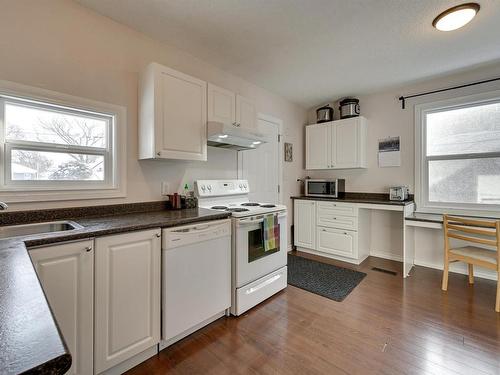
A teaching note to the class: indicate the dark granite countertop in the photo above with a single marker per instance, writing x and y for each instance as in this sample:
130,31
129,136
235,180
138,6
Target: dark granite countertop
366,198
30,340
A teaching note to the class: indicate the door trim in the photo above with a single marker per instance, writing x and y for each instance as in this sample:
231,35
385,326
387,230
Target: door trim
281,145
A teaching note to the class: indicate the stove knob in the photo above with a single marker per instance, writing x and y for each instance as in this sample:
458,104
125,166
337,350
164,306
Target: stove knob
203,187
209,187
241,186
245,186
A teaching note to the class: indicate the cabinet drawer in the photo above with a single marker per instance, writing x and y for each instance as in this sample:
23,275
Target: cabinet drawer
335,209
336,221
337,242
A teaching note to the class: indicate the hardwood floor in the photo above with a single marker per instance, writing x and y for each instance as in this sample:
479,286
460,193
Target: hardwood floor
387,325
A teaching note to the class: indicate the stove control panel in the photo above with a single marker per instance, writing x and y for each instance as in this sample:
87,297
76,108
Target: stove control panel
217,188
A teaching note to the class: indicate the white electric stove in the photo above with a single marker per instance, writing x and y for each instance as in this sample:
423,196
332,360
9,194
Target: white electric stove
257,274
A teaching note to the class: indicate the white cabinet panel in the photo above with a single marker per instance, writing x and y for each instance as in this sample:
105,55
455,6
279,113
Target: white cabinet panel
335,209
221,105
318,146
304,223
336,145
346,149
66,274
246,114
172,115
337,242
127,299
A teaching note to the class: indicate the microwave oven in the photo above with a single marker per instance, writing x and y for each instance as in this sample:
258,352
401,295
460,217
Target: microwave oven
325,188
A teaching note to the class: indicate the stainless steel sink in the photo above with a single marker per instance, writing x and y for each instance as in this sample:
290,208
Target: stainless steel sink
38,228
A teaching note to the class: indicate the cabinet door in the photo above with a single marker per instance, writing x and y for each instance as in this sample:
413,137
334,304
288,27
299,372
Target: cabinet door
246,114
345,148
221,105
317,146
127,296
66,274
304,223
180,131
337,242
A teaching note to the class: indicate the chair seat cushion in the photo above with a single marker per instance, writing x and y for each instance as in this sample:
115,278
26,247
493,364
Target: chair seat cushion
478,253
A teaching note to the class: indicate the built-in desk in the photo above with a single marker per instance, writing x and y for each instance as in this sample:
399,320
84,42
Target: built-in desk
341,228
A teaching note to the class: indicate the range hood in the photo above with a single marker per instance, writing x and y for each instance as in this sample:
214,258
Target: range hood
231,137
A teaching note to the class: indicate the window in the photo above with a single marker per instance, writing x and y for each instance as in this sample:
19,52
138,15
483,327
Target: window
51,148
458,155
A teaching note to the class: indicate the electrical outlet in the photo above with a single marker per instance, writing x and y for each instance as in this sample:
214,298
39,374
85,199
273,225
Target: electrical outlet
165,188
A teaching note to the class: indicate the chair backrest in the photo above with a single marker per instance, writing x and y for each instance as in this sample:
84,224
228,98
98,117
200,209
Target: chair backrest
484,232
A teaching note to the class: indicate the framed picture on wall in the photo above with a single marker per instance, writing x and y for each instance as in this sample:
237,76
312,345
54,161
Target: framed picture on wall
288,152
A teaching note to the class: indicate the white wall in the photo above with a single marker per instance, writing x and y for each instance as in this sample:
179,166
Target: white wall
386,118
60,45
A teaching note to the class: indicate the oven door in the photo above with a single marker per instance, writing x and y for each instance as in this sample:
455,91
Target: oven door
251,260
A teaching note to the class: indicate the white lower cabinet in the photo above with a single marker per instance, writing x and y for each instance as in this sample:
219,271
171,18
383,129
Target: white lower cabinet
304,219
337,242
331,228
67,277
127,296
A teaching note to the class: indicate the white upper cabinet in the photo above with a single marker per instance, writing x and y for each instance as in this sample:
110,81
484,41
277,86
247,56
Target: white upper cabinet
66,272
246,114
229,108
318,156
172,115
221,105
337,144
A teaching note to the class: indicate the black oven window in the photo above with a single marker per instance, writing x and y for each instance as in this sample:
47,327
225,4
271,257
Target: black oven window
256,246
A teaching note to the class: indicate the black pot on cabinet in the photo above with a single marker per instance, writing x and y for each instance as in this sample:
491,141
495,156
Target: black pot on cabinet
324,114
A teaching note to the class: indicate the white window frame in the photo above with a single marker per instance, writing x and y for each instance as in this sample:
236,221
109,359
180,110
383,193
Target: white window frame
422,161
113,185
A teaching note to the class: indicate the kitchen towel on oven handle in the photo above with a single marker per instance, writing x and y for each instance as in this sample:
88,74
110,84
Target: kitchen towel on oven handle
271,231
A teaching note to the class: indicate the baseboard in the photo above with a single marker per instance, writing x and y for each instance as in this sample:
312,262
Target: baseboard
379,254
131,362
478,272
332,256
166,343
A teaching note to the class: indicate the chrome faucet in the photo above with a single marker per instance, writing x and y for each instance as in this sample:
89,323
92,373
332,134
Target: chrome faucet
3,206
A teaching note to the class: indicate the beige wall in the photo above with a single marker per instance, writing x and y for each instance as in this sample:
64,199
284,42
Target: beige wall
62,46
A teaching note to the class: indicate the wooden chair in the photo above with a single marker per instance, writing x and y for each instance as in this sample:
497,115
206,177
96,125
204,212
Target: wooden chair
476,231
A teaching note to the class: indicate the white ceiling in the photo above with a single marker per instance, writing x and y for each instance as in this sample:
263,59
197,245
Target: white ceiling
312,51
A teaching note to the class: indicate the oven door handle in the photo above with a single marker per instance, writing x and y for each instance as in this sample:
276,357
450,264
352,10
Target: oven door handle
258,219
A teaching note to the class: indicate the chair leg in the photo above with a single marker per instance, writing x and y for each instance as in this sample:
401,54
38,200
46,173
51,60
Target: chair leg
445,276
497,305
471,273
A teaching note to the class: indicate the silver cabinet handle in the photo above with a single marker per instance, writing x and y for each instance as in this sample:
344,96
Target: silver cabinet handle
88,248
158,235
158,153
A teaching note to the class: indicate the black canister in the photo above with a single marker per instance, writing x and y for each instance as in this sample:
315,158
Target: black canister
324,114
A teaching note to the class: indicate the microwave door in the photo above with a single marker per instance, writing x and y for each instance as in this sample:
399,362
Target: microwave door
317,188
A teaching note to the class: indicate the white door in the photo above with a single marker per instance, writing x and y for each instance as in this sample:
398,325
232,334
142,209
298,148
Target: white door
246,114
181,131
127,296
318,146
221,105
261,167
66,272
304,223
345,144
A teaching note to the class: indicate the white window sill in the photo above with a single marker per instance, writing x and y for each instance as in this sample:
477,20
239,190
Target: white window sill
60,195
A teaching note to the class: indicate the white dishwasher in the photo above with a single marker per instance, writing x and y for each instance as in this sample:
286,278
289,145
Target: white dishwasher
196,277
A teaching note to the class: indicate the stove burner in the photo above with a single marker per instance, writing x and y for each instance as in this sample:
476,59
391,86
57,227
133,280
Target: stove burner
237,209
250,204
219,208
268,205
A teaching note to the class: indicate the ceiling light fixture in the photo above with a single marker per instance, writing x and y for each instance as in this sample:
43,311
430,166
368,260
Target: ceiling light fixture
456,17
